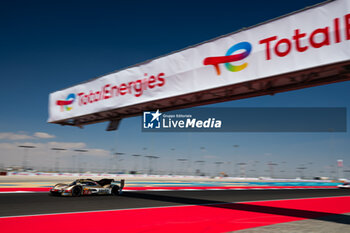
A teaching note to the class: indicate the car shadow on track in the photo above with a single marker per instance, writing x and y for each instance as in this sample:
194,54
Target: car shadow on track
307,214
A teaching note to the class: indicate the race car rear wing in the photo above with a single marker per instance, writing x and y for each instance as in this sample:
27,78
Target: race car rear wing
121,185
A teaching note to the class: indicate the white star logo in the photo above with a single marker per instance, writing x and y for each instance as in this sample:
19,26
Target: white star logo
156,115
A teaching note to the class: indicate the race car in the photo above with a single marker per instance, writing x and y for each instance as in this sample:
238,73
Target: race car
344,186
88,187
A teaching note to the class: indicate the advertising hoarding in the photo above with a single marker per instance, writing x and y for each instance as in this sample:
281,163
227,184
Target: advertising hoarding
311,38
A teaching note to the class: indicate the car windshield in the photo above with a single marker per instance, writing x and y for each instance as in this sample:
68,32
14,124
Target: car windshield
89,183
73,183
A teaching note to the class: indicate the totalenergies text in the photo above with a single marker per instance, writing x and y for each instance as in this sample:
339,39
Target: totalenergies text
135,88
302,41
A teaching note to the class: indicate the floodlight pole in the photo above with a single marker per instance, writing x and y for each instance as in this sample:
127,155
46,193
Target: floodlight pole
202,149
271,165
80,151
235,147
116,160
255,163
155,164
57,162
74,158
182,163
347,171
150,157
200,163
144,168
25,157
218,164
301,169
136,162
242,169
172,170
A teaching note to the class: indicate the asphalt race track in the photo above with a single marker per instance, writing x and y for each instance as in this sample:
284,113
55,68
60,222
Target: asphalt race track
16,204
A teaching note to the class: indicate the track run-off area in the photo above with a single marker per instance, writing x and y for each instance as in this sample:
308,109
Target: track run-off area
169,211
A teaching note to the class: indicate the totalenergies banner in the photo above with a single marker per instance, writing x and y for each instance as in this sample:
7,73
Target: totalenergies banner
307,39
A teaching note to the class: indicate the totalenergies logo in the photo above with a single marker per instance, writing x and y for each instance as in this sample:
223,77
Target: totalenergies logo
66,104
231,57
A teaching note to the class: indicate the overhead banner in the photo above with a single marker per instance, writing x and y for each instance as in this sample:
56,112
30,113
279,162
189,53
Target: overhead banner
310,38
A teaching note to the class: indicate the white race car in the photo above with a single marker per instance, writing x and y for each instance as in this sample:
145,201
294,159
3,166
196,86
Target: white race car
88,187
344,186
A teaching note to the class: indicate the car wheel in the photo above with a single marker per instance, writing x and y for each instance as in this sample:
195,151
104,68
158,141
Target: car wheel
76,191
115,190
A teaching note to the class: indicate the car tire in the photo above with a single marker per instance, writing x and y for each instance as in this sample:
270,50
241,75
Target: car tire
76,191
115,190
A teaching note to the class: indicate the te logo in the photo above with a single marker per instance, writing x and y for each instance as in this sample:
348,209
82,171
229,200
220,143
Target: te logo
215,61
66,104
151,120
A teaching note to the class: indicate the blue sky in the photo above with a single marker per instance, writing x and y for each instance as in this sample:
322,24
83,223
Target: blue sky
46,46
